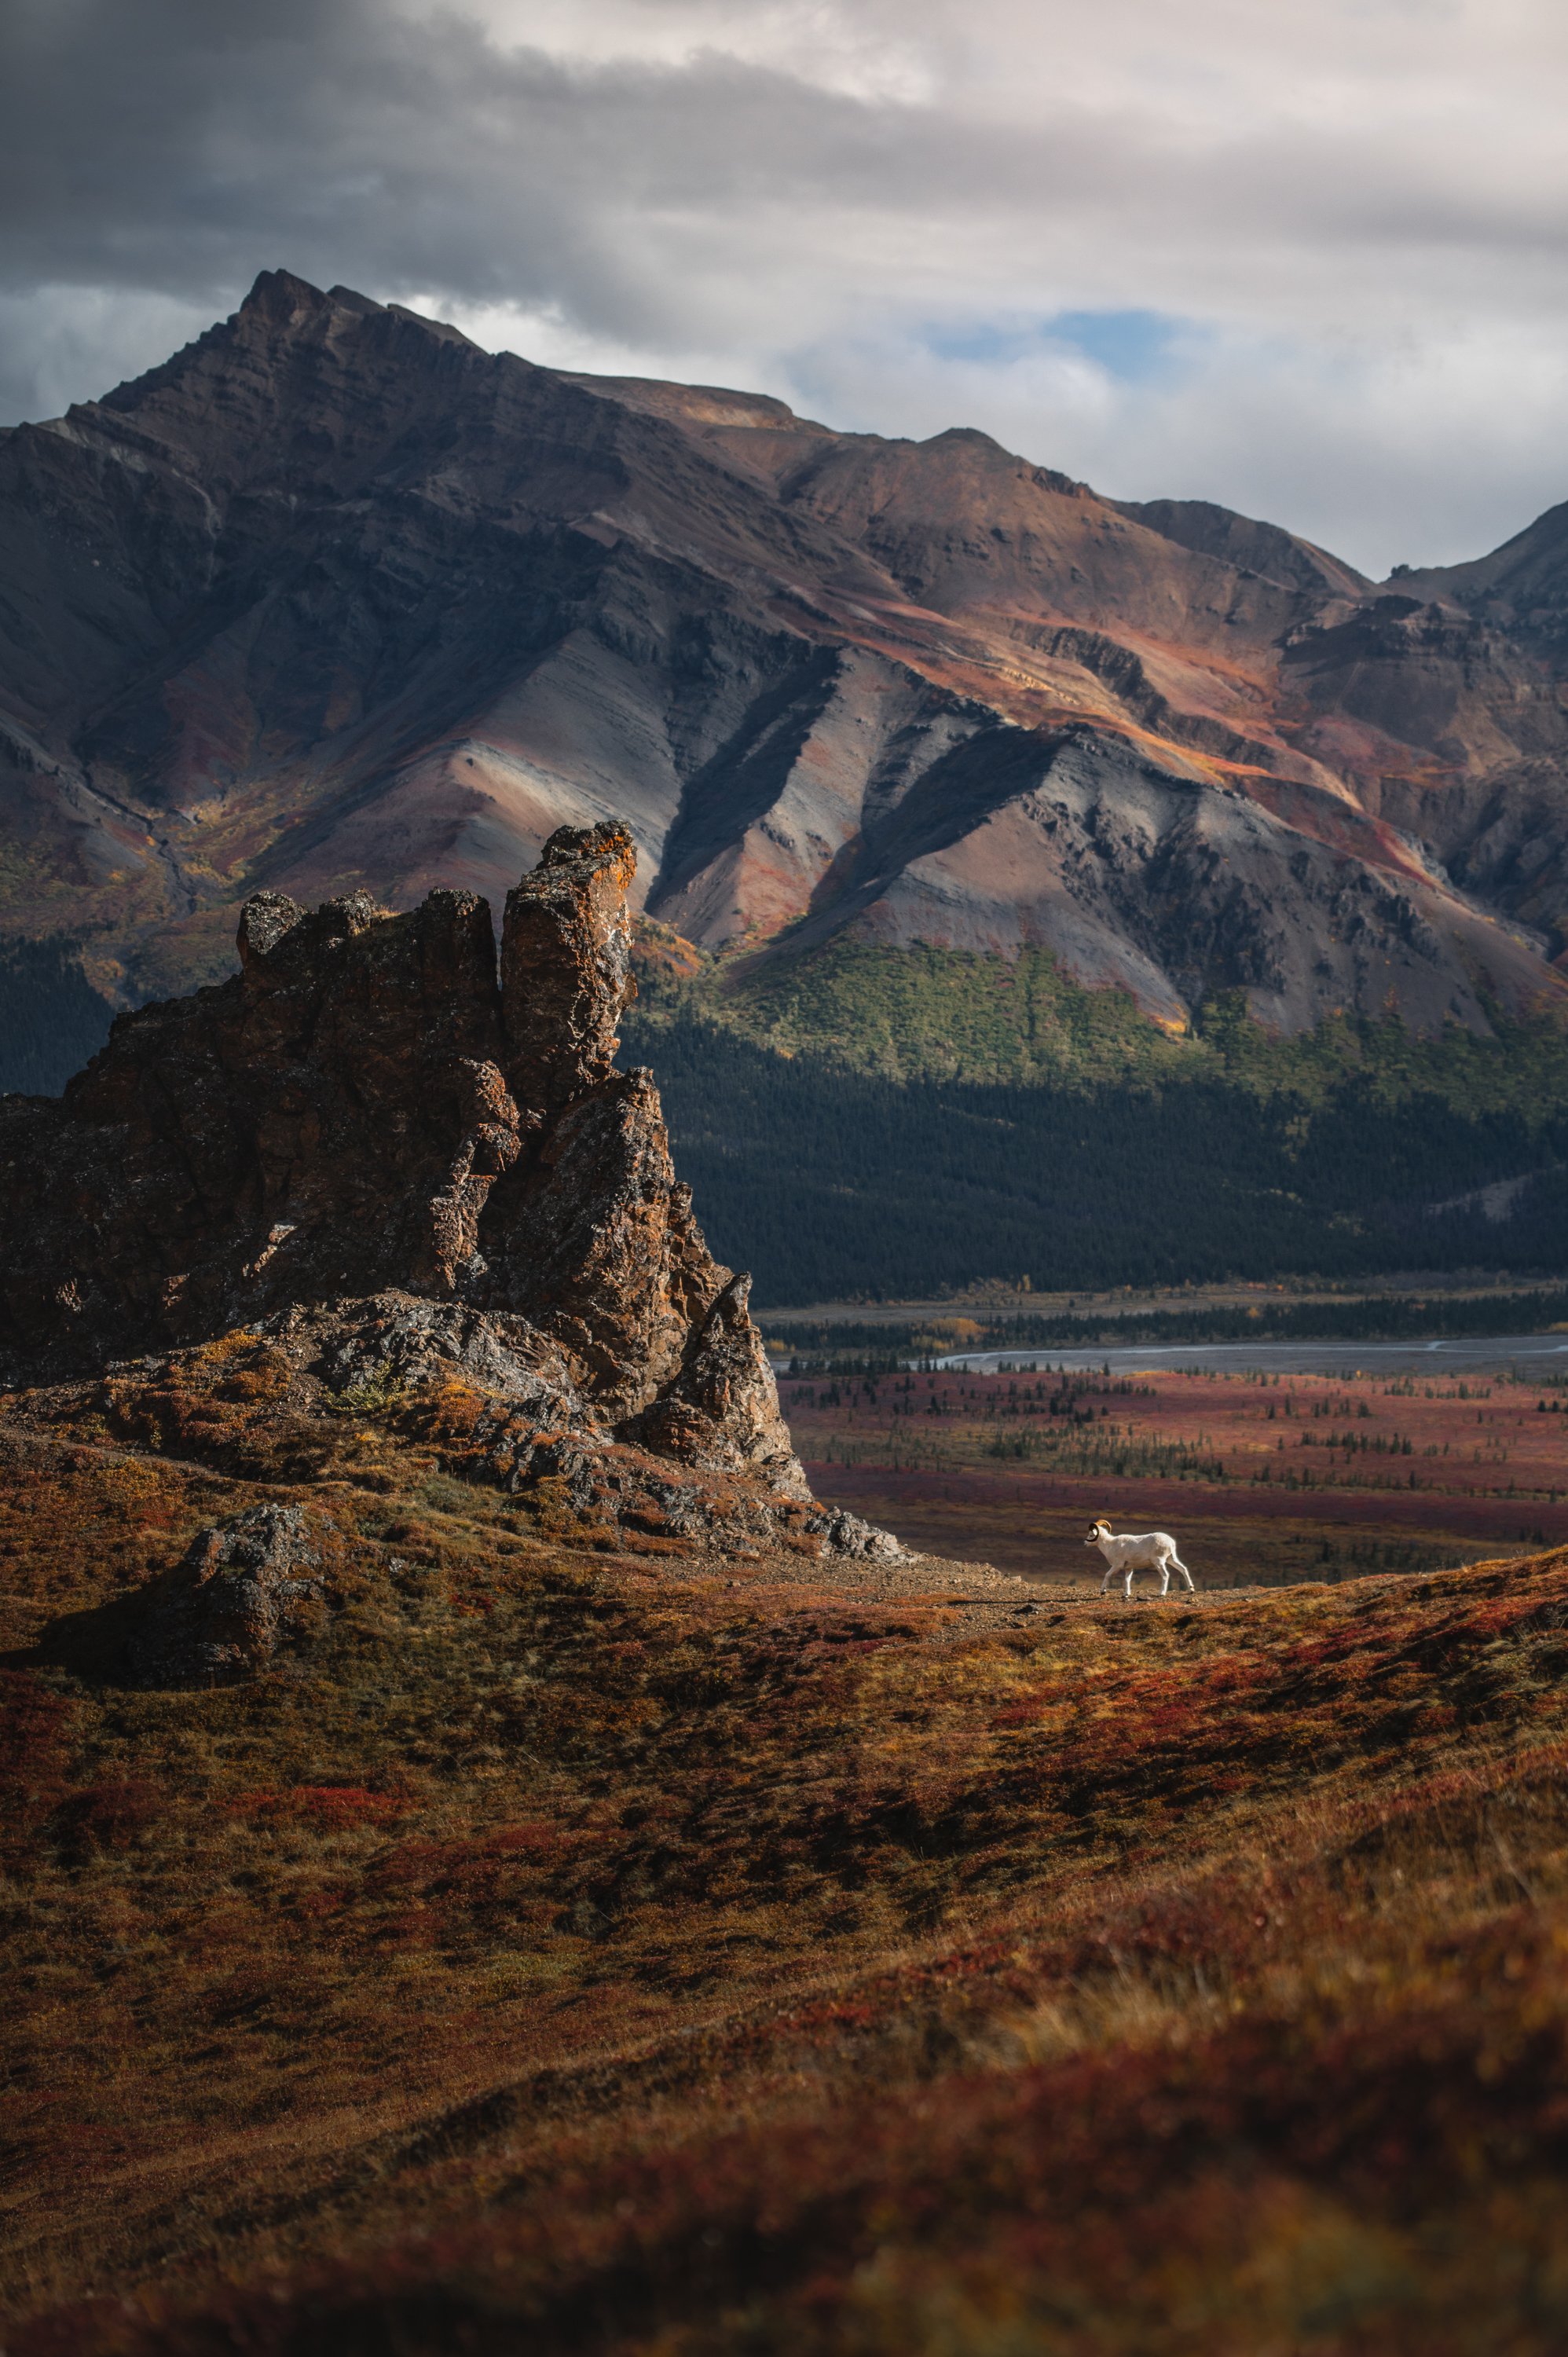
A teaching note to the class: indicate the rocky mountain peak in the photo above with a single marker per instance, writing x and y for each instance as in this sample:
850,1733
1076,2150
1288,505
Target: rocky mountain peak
335,601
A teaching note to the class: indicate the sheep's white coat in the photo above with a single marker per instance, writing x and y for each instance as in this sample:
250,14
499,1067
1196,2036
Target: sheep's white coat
1126,1552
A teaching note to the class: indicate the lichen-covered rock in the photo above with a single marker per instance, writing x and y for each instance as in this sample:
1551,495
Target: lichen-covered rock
369,1126
845,1534
595,1241
566,964
246,1596
294,1134
722,1409
380,1349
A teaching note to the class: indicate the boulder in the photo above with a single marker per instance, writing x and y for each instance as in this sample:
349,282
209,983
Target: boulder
245,1596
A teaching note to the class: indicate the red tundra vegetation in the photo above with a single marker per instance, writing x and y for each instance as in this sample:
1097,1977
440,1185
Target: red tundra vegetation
1264,1477
581,1943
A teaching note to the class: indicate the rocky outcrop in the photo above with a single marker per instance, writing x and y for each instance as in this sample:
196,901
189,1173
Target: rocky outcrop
246,1596
368,1114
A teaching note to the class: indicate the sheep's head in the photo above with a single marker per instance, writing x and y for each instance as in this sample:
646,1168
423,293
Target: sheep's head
1098,1531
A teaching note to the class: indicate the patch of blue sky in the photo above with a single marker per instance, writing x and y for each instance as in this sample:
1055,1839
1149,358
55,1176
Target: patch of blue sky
1133,346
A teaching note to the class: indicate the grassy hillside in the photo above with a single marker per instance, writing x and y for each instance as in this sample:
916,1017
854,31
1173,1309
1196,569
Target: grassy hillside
887,1122
591,1946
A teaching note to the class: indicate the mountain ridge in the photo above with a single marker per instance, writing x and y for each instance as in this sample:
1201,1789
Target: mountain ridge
333,600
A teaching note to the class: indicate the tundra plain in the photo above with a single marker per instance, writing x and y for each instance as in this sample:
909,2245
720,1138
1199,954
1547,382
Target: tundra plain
1263,1479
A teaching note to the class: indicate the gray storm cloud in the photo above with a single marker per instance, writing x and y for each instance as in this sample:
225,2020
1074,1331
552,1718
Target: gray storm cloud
1350,217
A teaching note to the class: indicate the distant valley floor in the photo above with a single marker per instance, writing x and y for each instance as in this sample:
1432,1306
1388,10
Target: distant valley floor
1265,1480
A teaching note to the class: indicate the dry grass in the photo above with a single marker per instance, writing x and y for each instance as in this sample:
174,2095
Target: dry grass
616,1951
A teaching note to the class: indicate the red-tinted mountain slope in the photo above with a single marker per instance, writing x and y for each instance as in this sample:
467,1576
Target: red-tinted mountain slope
334,600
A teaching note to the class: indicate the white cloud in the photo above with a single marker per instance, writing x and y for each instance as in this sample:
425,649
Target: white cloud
847,50
1419,452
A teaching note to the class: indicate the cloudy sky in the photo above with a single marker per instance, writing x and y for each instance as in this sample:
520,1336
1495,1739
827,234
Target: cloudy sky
1307,258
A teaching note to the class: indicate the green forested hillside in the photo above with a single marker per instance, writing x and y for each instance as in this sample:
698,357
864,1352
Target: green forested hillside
925,1014
886,1122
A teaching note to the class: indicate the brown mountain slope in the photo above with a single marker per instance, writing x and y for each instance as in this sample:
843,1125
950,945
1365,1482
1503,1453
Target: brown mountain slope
1252,547
334,601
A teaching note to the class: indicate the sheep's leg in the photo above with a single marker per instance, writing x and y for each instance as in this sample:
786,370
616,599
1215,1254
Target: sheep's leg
1165,1579
1187,1575
1127,1590
1110,1575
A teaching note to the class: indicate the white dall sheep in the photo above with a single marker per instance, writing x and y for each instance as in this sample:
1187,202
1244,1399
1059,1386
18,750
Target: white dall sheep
1126,1552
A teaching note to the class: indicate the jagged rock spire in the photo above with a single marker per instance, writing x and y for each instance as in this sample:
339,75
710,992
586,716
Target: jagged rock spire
367,1108
566,965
